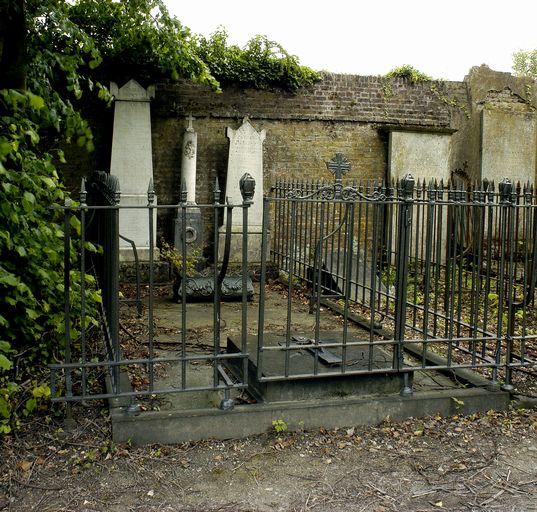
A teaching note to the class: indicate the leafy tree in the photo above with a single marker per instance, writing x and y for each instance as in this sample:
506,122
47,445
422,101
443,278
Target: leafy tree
525,63
139,38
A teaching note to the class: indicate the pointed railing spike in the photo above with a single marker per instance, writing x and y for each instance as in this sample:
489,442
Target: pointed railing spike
184,191
150,192
83,192
216,191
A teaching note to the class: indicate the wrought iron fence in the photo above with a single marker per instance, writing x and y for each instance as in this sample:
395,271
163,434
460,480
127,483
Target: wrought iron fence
430,267
438,276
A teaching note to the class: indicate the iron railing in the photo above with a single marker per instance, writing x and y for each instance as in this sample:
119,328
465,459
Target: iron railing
438,277
92,250
432,267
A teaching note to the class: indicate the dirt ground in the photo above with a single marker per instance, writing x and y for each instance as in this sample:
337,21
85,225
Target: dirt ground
461,463
479,462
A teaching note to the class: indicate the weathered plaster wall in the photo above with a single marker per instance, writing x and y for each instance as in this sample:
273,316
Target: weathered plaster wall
488,88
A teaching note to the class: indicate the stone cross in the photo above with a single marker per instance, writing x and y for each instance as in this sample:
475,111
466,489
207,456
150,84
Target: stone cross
190,128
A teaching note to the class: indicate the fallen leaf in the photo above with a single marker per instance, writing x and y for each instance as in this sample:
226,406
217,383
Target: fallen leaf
25,465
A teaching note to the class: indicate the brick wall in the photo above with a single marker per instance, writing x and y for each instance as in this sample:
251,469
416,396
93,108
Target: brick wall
365,99
341,113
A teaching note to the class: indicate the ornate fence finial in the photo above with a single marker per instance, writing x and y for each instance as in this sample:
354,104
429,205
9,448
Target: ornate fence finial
338,166
83,192
150,192
247,187
407,185
505,188
216,191
184,191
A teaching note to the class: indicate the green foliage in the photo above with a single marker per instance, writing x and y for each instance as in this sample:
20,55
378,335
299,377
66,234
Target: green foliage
409,72
33,125
175,258
459,404
261,63
525,63
279,426
32,250
139,39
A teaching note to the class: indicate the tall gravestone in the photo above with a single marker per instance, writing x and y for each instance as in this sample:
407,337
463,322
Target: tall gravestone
132,163
508,135
245,156
508,143
188,226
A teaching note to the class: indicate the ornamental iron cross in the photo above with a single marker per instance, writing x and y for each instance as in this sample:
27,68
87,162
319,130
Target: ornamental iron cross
339,166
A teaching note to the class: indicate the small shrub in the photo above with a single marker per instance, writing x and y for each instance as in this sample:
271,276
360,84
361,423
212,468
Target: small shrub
409,72
279,426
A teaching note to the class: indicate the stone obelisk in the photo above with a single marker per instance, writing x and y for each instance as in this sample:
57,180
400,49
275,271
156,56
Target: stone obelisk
132,163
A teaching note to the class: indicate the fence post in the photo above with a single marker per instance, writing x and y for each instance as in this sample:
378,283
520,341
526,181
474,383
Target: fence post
506,295
404,225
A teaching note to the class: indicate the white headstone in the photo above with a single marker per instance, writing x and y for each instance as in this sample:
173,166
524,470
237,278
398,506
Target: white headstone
245,156
188,161
132,163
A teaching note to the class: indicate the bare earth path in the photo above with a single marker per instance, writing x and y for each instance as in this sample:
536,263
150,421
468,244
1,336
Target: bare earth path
482,462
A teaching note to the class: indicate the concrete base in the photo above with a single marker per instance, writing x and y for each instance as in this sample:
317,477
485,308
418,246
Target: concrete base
254,245
329,381
192,425
126,254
